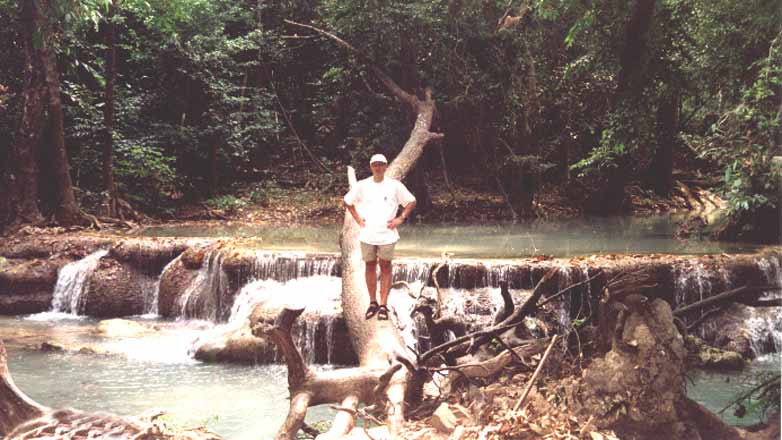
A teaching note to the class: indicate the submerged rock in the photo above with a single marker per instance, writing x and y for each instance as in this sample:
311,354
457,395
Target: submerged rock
121,328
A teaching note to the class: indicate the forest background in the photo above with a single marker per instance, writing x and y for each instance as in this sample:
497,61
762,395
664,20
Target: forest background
114,106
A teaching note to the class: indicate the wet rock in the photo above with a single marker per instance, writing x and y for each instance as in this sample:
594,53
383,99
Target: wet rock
72,246
743,329
193,258
121,328
115,289
235,346
638,387
26,285
173,283
702,355
150,255
51,347
321,338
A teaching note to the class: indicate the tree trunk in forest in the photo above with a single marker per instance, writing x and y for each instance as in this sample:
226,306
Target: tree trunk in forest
634,50
213,166
109,186
66,211
23,165
667,127
610,197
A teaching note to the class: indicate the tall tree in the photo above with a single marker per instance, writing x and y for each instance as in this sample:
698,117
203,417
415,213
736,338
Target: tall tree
23,180
109,186
66,210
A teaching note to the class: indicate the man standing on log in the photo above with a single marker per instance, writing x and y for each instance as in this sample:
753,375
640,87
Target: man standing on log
373,202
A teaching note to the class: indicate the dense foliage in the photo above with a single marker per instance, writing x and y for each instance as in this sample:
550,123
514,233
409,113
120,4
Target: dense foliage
590,95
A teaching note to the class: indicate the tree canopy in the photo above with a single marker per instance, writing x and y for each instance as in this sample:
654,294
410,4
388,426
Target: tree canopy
588,95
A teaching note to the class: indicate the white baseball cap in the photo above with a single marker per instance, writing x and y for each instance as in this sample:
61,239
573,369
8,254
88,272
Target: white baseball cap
378,158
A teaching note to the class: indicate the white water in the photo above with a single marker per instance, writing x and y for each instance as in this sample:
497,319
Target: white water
151,300
765,326
202,298
320,295
71,284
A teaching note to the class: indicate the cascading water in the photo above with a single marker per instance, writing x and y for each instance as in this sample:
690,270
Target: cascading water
152,297
203,298
72,282
313,333
290,265
764,326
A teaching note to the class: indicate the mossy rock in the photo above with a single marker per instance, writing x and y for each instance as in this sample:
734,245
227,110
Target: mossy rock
702,355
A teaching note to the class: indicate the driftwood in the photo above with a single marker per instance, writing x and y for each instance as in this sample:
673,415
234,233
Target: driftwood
349,386
518,314
724,297
535,375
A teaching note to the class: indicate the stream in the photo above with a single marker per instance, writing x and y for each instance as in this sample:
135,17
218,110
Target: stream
154,368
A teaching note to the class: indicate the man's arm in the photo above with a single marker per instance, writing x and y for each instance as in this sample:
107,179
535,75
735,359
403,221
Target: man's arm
403,216
354,213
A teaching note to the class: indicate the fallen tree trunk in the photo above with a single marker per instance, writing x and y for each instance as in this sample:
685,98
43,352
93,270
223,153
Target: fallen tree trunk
377,343
723,297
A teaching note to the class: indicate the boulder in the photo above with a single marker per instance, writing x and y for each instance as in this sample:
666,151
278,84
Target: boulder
702,355
173,282
743,329
315,333
234,346
115,289
26,286
121,328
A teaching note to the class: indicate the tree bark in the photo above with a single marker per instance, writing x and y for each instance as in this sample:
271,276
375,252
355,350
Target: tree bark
66,210
23,167
379,343
667,127
15,407
632,56
109,186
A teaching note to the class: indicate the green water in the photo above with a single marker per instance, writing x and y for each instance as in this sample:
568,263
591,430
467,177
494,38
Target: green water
715,390
153,371
583,236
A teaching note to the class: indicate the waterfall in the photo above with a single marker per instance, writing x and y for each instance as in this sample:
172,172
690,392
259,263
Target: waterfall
204,297
411,271
764,327
313,333
72,282
290,265
151,297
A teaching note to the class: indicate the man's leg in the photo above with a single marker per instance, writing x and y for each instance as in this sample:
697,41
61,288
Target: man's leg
385,281
370,273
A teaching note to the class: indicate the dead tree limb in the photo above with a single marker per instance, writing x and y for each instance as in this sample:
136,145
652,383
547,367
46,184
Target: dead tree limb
529,306
349,386
15,407
535,375
723,297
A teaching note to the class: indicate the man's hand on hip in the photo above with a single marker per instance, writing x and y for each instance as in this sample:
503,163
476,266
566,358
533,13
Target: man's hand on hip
395,222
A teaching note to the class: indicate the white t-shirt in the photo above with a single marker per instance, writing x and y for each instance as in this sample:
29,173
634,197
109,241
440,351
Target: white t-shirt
377,203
